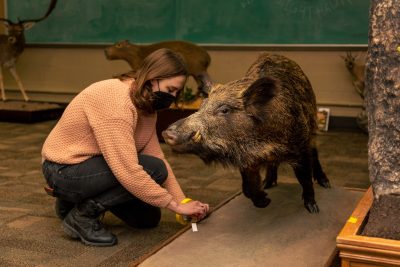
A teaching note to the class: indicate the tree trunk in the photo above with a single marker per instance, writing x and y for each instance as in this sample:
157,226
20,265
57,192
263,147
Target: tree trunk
383,107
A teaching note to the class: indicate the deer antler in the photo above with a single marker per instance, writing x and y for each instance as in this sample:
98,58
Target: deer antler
6,20
49,10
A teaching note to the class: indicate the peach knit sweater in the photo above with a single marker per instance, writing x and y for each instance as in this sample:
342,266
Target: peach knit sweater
102,120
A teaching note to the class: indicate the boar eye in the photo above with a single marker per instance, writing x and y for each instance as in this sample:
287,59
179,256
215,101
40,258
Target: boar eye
223,110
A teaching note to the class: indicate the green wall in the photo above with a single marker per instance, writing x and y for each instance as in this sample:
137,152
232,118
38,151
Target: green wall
199,21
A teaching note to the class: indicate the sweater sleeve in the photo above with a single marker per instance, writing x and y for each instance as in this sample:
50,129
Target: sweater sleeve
171,184
116,143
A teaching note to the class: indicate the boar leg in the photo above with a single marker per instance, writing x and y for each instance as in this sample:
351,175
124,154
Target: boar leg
271,177
252,188
303,174
318,173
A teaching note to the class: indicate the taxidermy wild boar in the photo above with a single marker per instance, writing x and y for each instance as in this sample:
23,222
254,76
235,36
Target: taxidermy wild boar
197,59
261,120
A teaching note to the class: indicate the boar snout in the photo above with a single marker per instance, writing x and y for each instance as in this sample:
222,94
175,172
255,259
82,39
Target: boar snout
170,135
181,138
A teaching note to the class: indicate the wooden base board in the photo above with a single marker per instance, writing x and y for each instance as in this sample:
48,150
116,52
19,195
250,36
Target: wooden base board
356,250
29,112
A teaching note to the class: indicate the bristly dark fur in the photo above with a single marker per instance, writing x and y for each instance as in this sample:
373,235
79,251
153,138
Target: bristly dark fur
265,118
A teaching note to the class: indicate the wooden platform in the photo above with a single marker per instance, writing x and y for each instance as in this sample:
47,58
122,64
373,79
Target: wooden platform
363,251
282,234
29,112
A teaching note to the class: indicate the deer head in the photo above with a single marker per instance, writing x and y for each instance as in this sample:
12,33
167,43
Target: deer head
16,29
349,60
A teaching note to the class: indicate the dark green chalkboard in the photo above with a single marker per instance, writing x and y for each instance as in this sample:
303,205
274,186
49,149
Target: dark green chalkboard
199,21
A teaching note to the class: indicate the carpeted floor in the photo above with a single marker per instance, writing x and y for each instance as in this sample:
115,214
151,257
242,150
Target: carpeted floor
30,233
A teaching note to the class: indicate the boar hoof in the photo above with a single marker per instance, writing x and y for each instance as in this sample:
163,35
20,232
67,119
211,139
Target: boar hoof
269,184
312,207
322,180
246,192
324,183
261,202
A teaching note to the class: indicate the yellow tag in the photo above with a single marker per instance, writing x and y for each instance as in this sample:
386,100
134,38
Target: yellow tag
398,49
352,219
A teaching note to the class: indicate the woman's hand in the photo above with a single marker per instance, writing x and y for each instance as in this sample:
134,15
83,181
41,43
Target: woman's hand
193,208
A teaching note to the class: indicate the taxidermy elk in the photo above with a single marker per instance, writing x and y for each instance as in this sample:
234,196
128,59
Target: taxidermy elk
13,44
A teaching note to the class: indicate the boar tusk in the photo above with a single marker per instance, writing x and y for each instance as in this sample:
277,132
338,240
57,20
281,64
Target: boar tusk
197,137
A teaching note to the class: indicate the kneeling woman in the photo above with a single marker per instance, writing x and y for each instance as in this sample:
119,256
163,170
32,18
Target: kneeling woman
103,154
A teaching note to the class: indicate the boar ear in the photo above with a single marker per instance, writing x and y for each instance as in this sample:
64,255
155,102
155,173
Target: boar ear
258,95
213,86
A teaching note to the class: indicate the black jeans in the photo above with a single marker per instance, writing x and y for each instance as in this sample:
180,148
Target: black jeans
93,179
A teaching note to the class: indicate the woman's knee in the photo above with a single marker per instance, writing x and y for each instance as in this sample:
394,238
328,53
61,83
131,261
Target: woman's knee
155,167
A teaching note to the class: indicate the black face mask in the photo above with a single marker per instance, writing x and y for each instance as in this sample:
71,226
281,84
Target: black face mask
162,100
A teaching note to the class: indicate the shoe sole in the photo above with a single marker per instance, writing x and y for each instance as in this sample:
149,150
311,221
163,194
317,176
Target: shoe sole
71,232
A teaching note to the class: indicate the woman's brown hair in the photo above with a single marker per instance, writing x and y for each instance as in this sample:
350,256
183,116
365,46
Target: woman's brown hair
162,63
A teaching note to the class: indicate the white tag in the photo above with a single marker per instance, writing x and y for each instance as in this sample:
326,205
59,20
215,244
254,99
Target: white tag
194,227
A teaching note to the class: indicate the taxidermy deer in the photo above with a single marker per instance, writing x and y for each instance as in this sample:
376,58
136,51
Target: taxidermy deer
12,45
357,71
